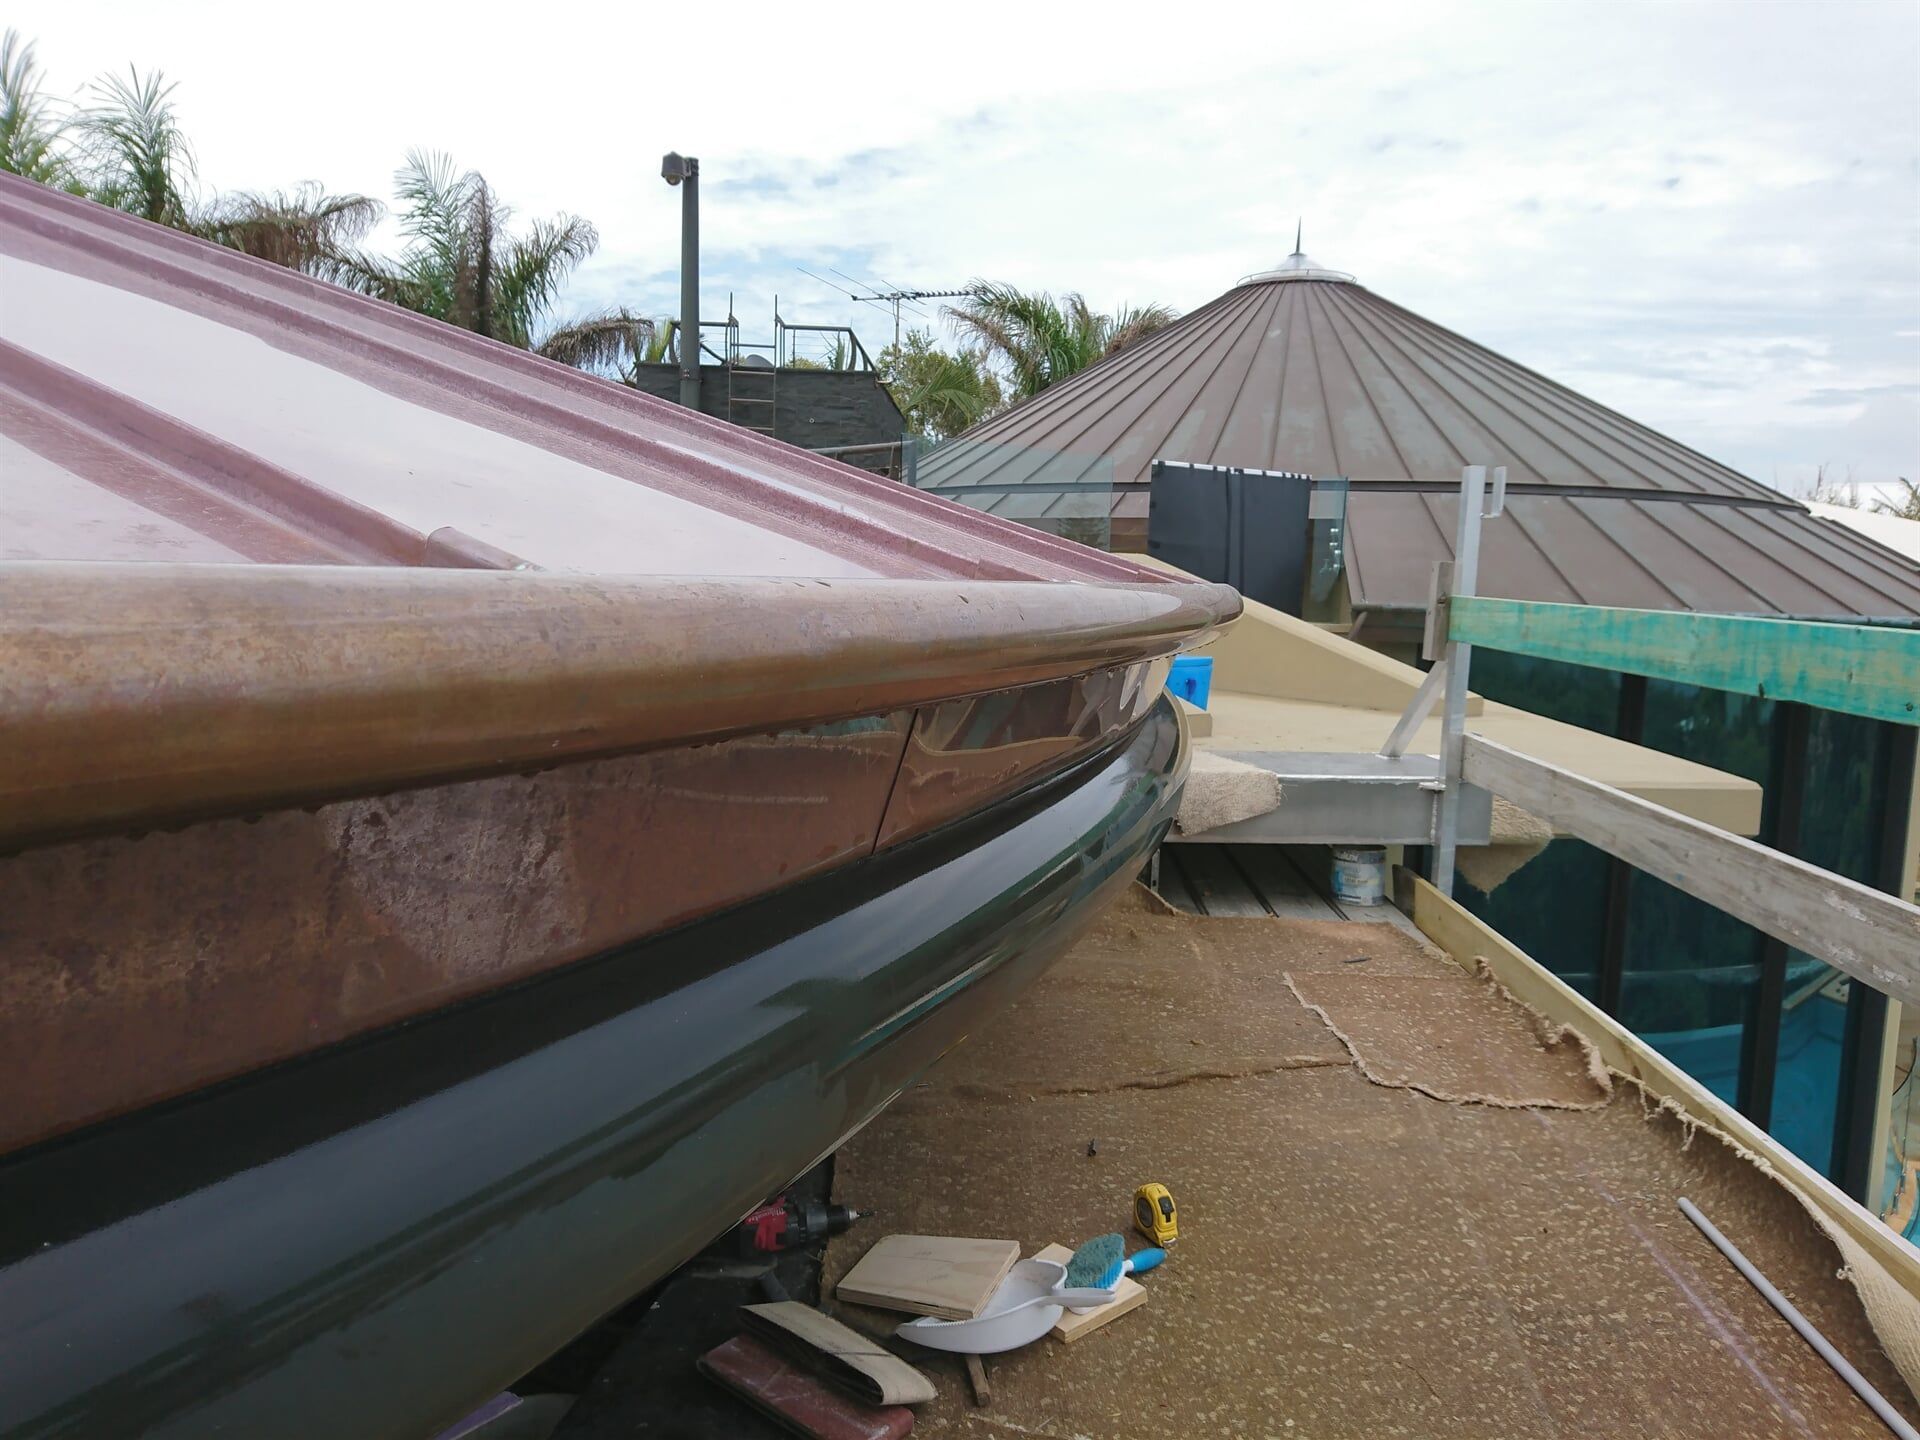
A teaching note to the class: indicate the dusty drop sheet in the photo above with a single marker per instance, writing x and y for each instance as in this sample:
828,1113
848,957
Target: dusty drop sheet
1467,1044
1355,1259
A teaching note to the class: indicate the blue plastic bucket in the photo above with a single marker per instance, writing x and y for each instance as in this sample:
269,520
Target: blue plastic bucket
1191,678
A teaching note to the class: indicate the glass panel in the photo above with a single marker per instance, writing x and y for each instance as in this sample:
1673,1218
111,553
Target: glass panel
1840,822
1577,694
1692,973
1326,598
1690,979
1554,908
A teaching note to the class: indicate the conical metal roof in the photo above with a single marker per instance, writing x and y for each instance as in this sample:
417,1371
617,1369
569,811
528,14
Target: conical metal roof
1302,369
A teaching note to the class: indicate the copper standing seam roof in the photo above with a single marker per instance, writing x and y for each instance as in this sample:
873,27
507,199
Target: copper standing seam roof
1301,369
246,520
165,399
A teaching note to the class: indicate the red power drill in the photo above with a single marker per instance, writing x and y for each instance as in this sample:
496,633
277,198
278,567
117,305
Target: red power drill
783,1224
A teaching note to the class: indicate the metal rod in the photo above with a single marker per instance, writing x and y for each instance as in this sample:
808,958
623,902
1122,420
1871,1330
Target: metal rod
1890,1417
1458,660
1415,715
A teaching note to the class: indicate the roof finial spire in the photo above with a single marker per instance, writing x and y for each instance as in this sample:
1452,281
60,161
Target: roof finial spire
1298,226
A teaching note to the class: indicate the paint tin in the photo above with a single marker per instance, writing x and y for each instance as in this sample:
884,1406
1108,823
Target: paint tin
1359,874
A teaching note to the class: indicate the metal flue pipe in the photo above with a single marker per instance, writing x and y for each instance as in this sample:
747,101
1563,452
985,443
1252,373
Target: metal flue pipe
684,171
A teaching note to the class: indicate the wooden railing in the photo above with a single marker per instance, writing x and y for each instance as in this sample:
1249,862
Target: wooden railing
1859,670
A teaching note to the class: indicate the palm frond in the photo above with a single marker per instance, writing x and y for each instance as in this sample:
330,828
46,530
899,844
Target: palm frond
436,200
33,131
1041,341
141,159
939,393
1131,324
371,275
664,346
600,342
532,270
303,229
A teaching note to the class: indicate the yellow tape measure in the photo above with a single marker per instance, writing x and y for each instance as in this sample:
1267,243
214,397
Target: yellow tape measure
1154,1215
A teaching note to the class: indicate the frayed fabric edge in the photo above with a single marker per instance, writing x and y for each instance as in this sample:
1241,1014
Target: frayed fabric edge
1546,1035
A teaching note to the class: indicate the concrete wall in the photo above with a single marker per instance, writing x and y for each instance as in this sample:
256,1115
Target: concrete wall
813,408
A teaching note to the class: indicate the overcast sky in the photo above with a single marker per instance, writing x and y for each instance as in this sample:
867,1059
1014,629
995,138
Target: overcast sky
1706,216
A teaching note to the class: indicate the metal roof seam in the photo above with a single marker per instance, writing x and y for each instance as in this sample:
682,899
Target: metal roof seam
1845,553
1139,354
1272,447
1512,514
1259,314
1735,580
1492,451
1251,319
1599,414
1582,510
1072,401
1246,316
1709,518
1087,398
1320,381
1466,367
1379,419
1386,368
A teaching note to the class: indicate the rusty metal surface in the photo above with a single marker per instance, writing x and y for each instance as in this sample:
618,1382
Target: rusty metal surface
1293,372
137,969
963,754
150,694
165,398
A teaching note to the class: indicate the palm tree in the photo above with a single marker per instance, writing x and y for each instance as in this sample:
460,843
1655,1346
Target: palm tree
940,394
614,340
136,156
127,149
462,265
1041,341
33,132
303,229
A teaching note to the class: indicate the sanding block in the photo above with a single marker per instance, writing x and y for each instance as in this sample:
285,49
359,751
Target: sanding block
796,1400
839,1354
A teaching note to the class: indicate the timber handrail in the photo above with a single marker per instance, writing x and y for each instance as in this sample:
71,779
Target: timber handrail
1864,932
1861,669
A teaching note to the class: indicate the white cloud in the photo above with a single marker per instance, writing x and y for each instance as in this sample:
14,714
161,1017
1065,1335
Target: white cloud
1705,215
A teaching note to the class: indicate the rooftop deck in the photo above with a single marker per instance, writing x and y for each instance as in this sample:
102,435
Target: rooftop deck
1403,1212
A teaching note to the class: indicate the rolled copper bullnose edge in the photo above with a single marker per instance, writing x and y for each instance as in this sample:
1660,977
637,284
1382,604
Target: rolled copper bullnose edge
138,695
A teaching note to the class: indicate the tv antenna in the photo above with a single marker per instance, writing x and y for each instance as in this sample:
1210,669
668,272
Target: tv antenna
891,296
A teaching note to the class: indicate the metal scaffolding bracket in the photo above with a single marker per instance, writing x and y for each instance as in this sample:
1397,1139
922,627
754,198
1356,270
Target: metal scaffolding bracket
1416,713
1457,658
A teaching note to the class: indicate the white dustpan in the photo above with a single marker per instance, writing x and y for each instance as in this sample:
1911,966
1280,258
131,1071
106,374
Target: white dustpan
1026,1306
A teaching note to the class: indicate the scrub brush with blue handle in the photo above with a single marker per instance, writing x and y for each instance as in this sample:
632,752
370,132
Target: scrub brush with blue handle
1099,1264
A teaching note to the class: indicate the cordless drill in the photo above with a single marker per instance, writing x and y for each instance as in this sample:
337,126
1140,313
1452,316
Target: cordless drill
783,1224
